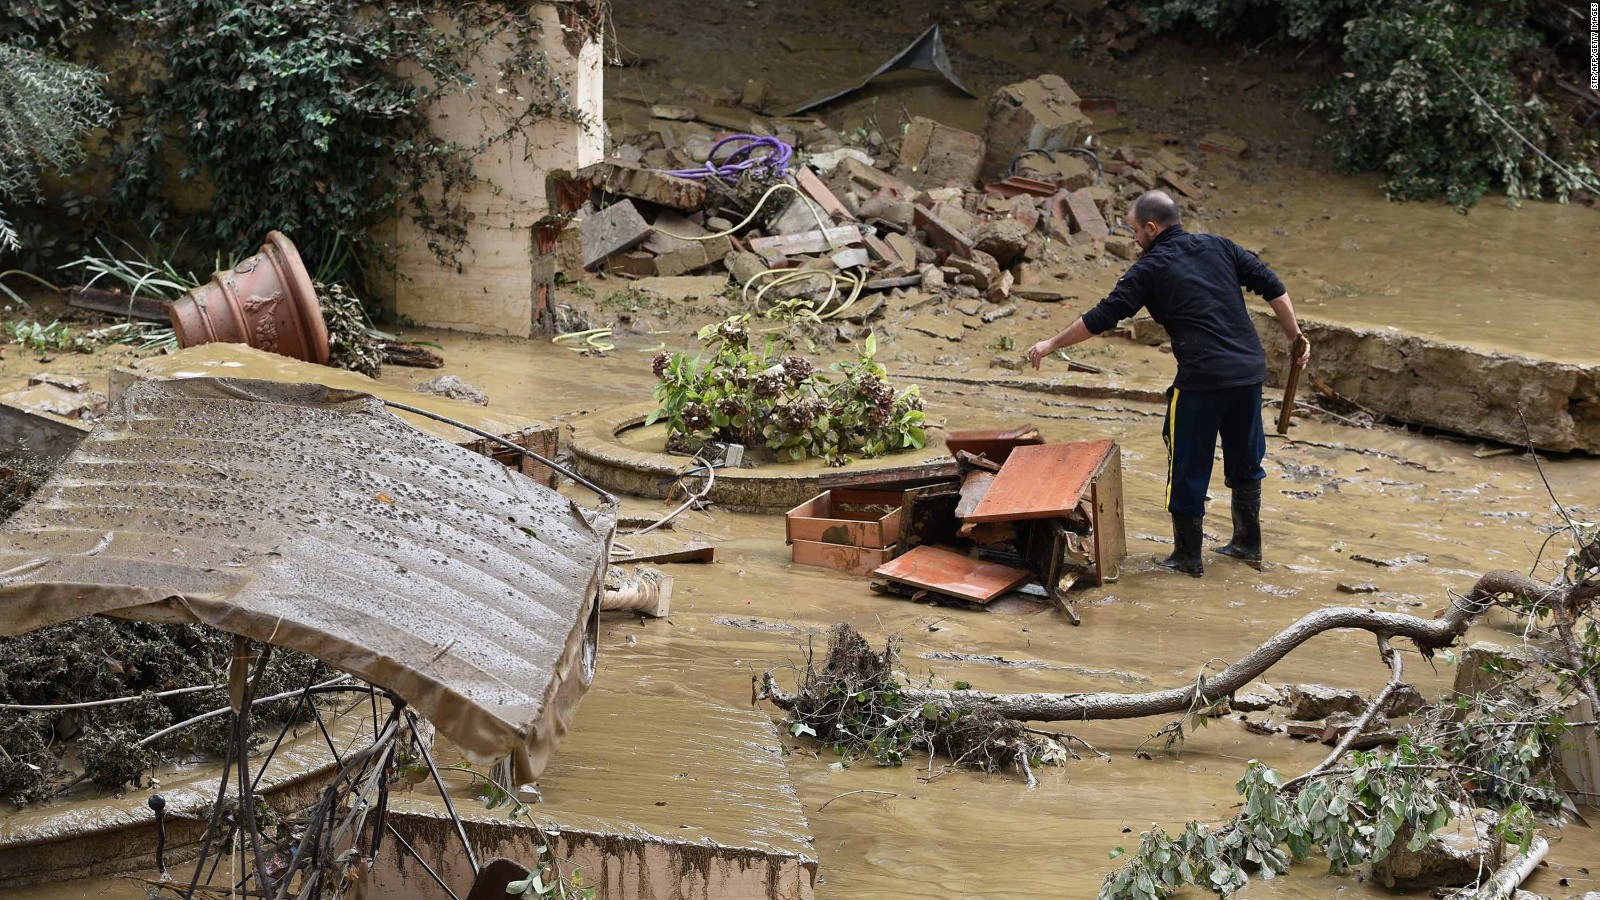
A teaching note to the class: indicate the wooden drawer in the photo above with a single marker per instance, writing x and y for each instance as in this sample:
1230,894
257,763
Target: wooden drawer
847,517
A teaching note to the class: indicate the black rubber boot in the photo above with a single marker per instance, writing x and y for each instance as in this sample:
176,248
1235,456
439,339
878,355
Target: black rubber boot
1246,543
1187,535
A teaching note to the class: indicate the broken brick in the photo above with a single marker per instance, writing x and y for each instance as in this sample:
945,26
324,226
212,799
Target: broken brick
1168,161
895,214
1084,215
635,264
754,95
1221,142
874,180
982,274
696,256
1182,185
1124,247
617,177
941,235
813,186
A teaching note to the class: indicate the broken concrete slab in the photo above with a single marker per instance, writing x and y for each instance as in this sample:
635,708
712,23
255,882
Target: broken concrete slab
1040,112
1005,239
697,255
682,287
782,245
855,257
1311,702
910,301
1420,379
1045,292
949,328
610,231
933,155
69,398
669,223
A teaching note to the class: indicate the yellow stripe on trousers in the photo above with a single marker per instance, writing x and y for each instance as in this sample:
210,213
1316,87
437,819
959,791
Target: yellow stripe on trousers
1172,440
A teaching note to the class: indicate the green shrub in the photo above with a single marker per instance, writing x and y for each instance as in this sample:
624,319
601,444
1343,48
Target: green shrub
307,117
775,400
46,107
1430,95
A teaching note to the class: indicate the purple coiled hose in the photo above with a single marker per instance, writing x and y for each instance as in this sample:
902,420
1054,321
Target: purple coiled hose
744,158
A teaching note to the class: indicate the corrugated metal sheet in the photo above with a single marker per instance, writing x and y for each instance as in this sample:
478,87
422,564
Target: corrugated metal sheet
311,518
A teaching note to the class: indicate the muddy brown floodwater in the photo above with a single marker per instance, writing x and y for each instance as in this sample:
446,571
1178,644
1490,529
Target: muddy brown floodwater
1387,495
962,834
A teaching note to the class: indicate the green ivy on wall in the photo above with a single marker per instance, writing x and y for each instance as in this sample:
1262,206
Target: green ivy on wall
308,116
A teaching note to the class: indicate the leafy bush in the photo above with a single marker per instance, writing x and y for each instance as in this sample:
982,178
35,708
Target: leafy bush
308,117
46,107
776,400
1431,95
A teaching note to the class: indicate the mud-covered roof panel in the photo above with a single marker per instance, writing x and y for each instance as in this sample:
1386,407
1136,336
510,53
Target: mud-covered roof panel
313,519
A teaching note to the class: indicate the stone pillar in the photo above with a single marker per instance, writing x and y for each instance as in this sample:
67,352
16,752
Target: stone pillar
496,288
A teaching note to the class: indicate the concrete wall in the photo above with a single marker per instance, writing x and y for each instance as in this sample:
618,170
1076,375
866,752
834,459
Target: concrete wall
493,291
1417,378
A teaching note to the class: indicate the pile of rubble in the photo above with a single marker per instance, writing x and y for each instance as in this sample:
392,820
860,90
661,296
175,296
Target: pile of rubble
948,221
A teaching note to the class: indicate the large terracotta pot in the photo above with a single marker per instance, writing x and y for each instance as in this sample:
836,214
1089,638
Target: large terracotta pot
266,301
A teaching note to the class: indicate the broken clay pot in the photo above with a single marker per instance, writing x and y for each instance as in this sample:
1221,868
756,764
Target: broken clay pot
266,301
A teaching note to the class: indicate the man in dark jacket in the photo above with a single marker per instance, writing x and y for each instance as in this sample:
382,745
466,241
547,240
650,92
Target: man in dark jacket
1190,283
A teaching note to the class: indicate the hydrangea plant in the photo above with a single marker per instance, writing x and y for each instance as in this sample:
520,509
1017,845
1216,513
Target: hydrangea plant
774,399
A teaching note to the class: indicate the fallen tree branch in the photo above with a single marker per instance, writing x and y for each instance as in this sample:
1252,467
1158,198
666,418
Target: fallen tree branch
1428,634
1503,884
1378,706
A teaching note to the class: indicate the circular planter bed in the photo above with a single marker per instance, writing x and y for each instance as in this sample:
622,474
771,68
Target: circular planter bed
615,449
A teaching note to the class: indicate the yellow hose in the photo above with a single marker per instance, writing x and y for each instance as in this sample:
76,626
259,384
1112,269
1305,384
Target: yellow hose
593,339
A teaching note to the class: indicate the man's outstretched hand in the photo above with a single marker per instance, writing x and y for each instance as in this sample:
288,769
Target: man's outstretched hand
1039,351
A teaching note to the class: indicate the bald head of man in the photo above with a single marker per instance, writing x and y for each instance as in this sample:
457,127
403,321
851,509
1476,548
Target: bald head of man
1152,213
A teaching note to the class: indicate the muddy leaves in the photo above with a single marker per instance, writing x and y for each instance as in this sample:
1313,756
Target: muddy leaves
858,708
1364,812
94,659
